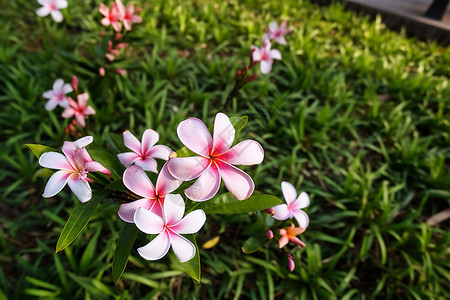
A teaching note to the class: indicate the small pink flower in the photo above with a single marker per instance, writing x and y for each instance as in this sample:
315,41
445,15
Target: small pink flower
277,33
169,229
291,263
138,182
143,154
265,56
51,7
101,71
129,16
112,16
290,234
294,205
216,160
74,166
121,72
57,96
80,110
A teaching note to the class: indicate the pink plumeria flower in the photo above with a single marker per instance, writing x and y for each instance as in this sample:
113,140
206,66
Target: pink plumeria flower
277,33
294,205
290,234
138,182
73,167
51,7
216,160
265,56
144,154
129,16
112,16
57,96
79,109
169,229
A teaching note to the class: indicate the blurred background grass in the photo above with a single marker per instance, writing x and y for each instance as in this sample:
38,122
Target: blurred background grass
355,114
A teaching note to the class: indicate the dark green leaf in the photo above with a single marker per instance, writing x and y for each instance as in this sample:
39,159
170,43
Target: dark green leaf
123,250
254,243
38,150
117,186
239,122
109,161
78,219
192,267
225,204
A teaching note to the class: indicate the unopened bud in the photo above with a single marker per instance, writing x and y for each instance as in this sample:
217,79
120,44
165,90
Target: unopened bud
291,263
269,234
75,83
101,71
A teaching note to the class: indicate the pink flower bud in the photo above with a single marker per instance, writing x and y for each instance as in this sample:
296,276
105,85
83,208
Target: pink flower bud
291,263
270,211
75,83
101,71
269,234
121,72
118,36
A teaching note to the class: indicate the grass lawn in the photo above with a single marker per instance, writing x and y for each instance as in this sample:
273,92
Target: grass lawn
356,115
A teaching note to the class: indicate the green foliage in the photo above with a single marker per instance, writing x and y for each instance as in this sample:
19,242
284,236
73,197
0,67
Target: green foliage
225,204
123,250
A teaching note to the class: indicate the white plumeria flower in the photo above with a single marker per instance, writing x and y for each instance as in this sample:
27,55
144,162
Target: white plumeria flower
57,95
51,7
277,33
169,227
265,56
294,205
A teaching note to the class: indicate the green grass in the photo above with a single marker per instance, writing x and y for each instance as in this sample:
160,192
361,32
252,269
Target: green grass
355,114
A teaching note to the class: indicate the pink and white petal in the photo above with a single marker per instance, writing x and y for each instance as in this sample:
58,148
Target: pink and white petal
83,99
191,223
281,212
246,153
80,120
136,19
42,2
273,26
280,40
83,142
127,210
166,183
103,9
56,183
57,16
289,192
61,4
187,168
275,54
224,134
159,151
127,158
64,102
266,46
184,250
135,179
148,164
58,84
127,24
105,22
256,54
55,160
67,88
93,166
51,104
68,113
194,134
117,26
68,149
131,142
149,139
301,202
283,241
173,209
265,37
239,183
206,186
80,188
157,248
302,218
266,66
48,94
148,222
89,111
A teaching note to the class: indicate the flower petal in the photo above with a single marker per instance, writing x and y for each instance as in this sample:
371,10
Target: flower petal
58,84
183,248
61,4
275,54
131,142
160,151
83,99
266,66
166,183
48,94
127,210
80,188
103,9
51,104
224,134
173,209
93,166
43,11
68,112
56,183
273,26
302,218
127,158
206,185
281,212
289,192
157,248
187,168
57,16
238,182
194,134
135,179
191,223
301,202
148,222
54,160
83,142
149,139
256,54
67,88
246,153
148,164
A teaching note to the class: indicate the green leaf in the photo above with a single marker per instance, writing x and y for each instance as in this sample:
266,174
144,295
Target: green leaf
78,219
226,205
116,186
123,250
254,243
185,152
109,161
38,150
192,267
